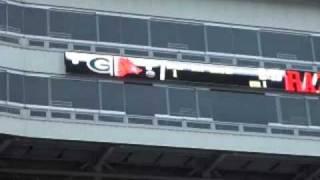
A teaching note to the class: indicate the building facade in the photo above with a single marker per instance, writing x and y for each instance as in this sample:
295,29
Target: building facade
207,89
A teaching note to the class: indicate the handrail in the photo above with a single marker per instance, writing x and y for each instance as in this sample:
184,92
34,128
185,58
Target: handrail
26,112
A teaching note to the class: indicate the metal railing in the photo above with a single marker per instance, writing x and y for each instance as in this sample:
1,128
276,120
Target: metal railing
62,45
102,118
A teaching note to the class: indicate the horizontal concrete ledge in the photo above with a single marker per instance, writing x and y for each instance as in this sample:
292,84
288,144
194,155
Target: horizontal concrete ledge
158,137
287,14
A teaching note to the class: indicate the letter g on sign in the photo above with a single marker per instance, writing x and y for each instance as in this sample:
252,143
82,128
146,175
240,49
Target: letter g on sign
100,65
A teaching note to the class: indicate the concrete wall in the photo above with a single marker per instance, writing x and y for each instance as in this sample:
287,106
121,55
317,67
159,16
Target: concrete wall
291,14
32,60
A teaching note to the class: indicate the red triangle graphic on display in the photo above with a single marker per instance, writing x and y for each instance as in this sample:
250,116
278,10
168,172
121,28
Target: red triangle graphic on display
125,67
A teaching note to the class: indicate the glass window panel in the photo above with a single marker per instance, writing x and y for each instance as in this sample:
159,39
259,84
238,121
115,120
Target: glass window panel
182,102
145,100
75,93
248,63
245,42
286,46
134,31
243,108
60,24
73,25
192,35
60,115
198,125
16,88
205,98
178,36
219,39
110,28
36,90
293,111
163,33
15,16
314,106
3,86
112,96
38,113
84,27
35,21
3,15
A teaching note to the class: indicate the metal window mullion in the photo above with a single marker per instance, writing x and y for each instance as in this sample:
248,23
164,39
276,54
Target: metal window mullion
150,52
308,112
205,36
206,45
259,43
124,98
314,57
149,32
49,91
22,30
100,94
279,110
97,28
48,21
23,90
197,103
168,101
7,17
8,89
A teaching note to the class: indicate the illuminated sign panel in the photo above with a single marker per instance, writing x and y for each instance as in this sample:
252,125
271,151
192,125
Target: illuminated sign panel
302,82
165,70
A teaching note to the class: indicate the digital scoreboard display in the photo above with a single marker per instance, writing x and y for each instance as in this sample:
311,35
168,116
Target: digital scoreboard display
164,70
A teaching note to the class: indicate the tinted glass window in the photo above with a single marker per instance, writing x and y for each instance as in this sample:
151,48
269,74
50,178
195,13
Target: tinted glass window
75,93
60,24
314,106
164,33
73,25
35,21
243,108
245,42
286,46
112,96
16,88
182,102
3,15
15,18
3,86
145,100
134,31
219,39
205,103
293,111
36,90
192,35
178,36
109,28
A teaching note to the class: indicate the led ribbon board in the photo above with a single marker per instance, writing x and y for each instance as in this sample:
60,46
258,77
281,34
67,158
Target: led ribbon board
165,70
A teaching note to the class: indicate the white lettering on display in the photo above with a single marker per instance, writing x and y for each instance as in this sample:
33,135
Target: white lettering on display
102,64
114,66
